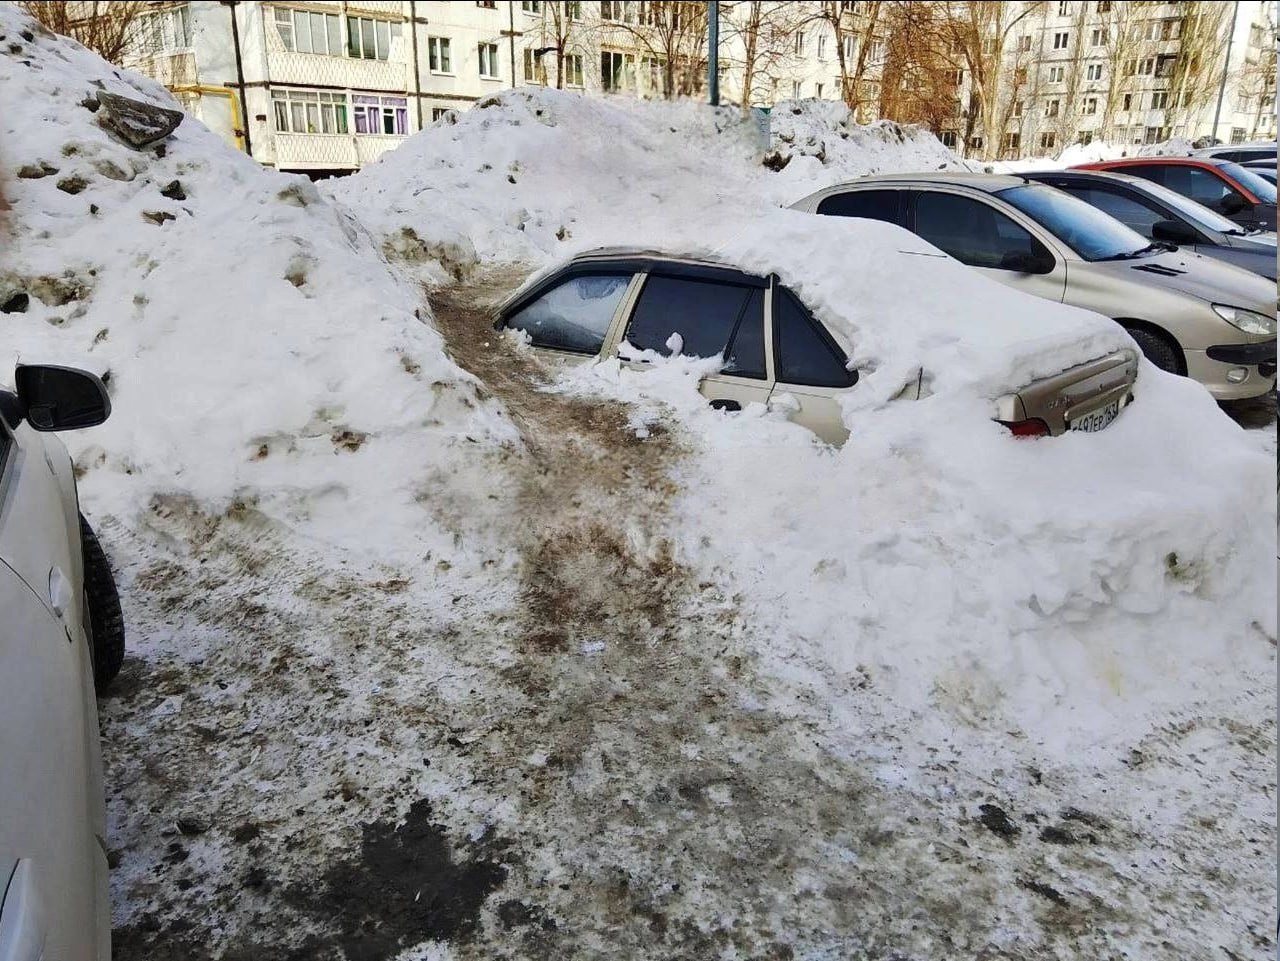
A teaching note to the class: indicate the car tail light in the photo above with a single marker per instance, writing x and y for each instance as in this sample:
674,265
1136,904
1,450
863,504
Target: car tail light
1033,427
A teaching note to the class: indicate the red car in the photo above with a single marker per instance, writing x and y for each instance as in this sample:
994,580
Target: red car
1228,188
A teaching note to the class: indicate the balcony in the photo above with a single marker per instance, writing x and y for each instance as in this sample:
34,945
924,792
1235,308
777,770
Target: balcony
300,151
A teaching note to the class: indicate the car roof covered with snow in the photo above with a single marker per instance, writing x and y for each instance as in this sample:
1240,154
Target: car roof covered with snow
895,302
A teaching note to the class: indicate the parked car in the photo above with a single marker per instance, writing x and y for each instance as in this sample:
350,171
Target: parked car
639,305
61,636
1221,185
1190,315
1263,168
1241,152
1158,213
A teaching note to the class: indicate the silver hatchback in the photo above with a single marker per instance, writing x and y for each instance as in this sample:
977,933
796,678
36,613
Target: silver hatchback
1190,315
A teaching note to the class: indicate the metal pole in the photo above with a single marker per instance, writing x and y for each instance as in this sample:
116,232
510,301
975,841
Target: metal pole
417,77
244,96
1222,87
713,51
511,37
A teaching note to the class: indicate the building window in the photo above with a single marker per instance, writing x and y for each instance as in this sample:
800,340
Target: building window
532,67
817,90
1127,103
612,10
1238,134
1090,105
304,32
877,51
167,31
573,69
1097,38
976,141
1104,6
573,10
990,45
369,39
1156,134
380,115
1012,143
1064,9
439,55
1048,140
1024,43
1051,108
1056,74
797,88
1093,71
611,64
488,60
1084,137
487,4
799,43
1060,40
1020,77
1160,100
531,6
850,47
822,46
437,113
1164,65
308,111
1017,108
949,139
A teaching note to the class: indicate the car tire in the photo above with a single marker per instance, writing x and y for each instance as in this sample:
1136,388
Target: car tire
1157,349
105,626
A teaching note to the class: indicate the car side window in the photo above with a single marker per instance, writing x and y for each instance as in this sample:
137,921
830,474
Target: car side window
1153,172
712,319
574,315
971,231
804,352
1202,186
1130,210
883,205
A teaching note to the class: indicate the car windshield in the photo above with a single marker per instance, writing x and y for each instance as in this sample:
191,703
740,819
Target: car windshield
1198,214
1088,231
1260,187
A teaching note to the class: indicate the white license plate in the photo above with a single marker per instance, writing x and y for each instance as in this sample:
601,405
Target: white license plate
1096,419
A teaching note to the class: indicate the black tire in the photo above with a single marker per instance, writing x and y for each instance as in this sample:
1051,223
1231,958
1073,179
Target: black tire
106,623
1157,349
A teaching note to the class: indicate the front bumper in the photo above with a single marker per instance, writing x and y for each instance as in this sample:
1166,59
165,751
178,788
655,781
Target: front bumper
1252,368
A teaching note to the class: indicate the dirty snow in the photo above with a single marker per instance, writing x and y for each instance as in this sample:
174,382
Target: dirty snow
439,653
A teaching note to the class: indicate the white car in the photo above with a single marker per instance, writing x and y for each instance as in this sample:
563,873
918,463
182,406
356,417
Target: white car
61,638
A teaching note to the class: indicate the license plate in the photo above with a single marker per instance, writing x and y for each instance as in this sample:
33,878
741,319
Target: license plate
1096,419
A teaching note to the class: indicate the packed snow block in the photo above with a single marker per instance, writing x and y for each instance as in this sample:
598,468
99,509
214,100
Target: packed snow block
137,124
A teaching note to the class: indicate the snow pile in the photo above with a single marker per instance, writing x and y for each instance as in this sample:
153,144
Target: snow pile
253,341
1096,152
490,184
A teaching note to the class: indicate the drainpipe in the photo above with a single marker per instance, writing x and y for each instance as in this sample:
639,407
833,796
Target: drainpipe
244,107
511,37
413,39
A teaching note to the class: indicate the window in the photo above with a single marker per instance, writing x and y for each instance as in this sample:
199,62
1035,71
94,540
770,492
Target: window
573,10
370,39
1104,6
1097,38
1020,77
817,90
1048,140
799,43
575,315
437,113
976,141
380,115
1147,67
1159,100
990,45
309,111
1011,143
1017,108
1093,71
439,55
487,4
869,204
1024,43
573,69
531,6
1127,102
1197,183
850,48
612,10
1130,210
1056,74
168,30
304,32
803,350
877,51
1090,105
796,89
1238,134
488,60
972,232
532,67
1051,108
611,63
1165,65
1060,40
949,139
1064,9
713,319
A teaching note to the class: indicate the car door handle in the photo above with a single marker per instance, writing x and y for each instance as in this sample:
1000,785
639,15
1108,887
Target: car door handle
721,403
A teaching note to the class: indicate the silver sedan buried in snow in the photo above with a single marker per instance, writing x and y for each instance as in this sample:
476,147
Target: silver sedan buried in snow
639,306
60,636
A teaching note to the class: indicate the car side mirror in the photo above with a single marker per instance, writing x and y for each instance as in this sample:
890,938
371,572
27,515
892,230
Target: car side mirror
1038,261
1173,231
1233,204
61,398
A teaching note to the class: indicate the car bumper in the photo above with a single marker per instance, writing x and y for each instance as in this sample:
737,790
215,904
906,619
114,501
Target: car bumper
1235,371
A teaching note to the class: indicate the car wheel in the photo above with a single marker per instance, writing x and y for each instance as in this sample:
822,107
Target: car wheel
1159,350
106,624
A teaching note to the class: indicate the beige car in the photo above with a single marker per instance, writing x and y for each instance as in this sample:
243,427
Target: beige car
60,633
1191,315
640,305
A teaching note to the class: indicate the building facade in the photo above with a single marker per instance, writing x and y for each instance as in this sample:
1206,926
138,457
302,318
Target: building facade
327,86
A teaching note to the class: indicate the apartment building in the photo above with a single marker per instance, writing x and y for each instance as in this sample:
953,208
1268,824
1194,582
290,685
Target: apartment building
327,86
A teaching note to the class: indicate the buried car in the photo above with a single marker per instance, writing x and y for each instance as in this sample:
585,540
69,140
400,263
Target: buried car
805,355
1211,321
61,635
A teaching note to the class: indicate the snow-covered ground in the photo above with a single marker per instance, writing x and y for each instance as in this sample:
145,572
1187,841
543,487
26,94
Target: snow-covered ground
436,653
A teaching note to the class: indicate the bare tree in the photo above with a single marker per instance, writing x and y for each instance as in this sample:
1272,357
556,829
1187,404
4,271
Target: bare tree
673,36
1124,45
111,30
1073,69
562,32
764,32
1257,80
920,80
1195,74
857,26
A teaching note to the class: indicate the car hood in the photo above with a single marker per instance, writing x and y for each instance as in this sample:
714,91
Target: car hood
1201,277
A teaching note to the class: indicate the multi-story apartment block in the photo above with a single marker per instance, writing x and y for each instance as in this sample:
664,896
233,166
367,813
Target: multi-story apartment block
326,86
